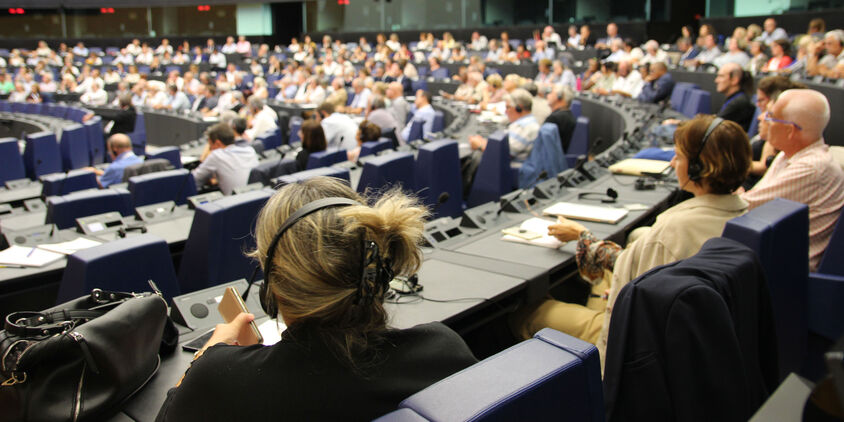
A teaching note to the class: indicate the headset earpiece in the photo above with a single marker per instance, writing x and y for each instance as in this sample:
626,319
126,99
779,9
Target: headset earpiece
695,170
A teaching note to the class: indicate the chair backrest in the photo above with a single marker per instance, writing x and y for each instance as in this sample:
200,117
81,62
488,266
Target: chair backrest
579,144
59,111
271,139
64,210
548,377
494,177
139,142
698,102
5,106
374,147
41,155
220,234
122,265
96,140
441,73
386,171
546,158
576,108
779,234
171,185
439,121
438,172
11,161
419,83
294,125
753,129
301,176
75,148
146,167
171,154
831,263
326,158
65,183
390,133
680,95
416,130
269,170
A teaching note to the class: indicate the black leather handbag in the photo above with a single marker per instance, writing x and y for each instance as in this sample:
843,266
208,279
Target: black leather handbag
81,360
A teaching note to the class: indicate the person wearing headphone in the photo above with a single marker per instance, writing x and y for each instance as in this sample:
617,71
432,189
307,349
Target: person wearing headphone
328,260
712,160
120,150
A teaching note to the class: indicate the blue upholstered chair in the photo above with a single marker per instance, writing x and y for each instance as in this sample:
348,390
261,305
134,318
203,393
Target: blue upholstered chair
579,144
271,139
576,108
374,147
59,111
779,234
65,183
295,124
64,210
152,188
386,171
416,130
493,177
301,176
326,158
546,158
441,73
41,155
550,377
698,102
438,172
220,234
418,84
122,265
267,171
75,148
680,94
439,122
11,161
170,154
96,140
139,135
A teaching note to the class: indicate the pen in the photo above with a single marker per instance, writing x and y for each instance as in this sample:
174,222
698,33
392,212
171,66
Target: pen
11,266
31,251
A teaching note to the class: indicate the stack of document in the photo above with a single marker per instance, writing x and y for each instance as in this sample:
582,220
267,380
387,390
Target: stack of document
586,212
637,166
41,255
533,231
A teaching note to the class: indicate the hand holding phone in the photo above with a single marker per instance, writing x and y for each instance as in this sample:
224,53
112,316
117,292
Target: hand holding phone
243,330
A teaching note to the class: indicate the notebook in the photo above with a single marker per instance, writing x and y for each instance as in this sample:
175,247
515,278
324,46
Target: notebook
586,212
70,247
25,256
533,231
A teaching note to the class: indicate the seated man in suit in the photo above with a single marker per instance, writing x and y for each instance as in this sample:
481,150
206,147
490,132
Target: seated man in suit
228,164
559,98
424,112
658,84
120,150
804,171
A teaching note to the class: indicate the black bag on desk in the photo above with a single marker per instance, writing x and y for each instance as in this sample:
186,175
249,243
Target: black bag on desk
80,360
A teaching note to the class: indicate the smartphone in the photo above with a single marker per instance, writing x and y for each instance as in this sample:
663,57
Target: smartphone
231,306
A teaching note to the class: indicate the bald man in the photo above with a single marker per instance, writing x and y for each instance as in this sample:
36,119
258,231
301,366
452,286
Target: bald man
804,170
120,150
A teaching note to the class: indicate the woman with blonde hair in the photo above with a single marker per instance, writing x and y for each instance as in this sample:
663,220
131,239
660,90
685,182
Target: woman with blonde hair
328,259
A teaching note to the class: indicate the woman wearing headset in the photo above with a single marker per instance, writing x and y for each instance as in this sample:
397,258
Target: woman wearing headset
712,160
328,258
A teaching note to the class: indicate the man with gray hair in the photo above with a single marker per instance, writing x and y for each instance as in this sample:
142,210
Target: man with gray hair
523,127
805,170
264,118
379,115
399,107
559,98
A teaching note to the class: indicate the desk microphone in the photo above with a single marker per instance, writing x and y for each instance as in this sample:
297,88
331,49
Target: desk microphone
578,166
542,176
251,282
506,203
442,199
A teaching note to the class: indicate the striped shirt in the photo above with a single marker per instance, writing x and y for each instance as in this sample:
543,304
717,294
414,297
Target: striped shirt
812,177
521,134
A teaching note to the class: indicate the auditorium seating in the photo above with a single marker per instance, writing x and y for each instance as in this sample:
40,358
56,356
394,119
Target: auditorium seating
65,183
122,265
96,140
778,232
11,161
493,177
438,173
390,133
374,147
64,210
697,102
579,144
41,155
295,126
146,167
162,186
326,158
386,171
170,154
550,377
546,158
680,95
269,170
416,131
271,139
439,122
75,148
576,108
301,176
139,135
826,289
220,234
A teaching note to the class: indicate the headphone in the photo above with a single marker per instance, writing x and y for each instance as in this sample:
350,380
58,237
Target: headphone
695,164
267,301
609,197
518,108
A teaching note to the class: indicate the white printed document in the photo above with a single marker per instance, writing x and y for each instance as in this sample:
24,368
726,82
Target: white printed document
586,212
533,231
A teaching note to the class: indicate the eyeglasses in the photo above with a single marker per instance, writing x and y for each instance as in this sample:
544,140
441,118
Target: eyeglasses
768,118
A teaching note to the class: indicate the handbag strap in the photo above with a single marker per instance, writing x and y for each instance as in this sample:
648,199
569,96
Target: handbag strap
38,324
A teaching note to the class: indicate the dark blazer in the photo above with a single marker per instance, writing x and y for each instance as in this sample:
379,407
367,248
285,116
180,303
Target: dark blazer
299,379
124,119
692,340
658,90
739,109
565,122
